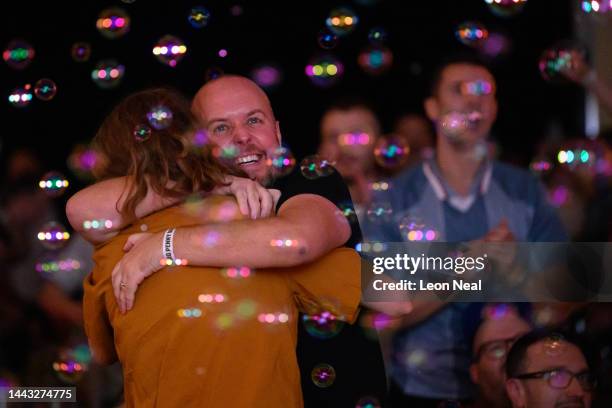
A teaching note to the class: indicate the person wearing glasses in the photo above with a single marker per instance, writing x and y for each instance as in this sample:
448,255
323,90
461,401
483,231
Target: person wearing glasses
501,325
546,369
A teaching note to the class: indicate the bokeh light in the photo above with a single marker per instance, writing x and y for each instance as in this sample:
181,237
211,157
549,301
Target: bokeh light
267,76
559,58
80,51
21,97
378,36
142,133
412,228
169,50
379,212
375,59
18,54
53,184
368,402
113,23
45,89
53,235
108,74
82,160
506,8
342,21
596,6
237,272
472,33
97,225
324,70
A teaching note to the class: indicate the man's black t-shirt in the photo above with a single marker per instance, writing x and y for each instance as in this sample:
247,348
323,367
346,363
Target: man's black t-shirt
356,359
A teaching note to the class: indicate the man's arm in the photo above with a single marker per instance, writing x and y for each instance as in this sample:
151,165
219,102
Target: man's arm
306,227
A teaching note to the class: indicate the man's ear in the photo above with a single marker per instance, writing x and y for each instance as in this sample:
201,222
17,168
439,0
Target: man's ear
279,137
516,393
474,373
432,109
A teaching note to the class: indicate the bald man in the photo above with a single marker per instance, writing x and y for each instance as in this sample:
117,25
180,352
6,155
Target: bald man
309,216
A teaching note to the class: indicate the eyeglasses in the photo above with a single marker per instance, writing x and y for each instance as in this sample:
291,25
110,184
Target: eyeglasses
495,349
560,378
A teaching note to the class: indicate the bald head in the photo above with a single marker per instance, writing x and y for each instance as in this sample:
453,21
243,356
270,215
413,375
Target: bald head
237,114
227,94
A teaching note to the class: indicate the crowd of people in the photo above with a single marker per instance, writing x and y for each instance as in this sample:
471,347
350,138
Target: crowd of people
290,237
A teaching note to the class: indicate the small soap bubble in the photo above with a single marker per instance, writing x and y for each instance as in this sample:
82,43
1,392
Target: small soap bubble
107,74
324,70
18,54
80,51
554,345
113,23
313,167
323,375
169,50
327,39
199,17
377,36
159,117
391,152
53,184
379,212
375,60
505,8
368,402
322,325
142,133
472,33
53,235
342,21
280,161
21,97
559,58
45,89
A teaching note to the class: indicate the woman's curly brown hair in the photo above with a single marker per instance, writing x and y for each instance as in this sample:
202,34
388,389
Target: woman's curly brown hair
167,161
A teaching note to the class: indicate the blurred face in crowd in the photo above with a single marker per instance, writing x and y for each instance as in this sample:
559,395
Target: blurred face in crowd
492,342
347,139
557,386
237,113
416,131
470,90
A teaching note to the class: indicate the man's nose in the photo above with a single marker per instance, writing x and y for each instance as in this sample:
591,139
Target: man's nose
241,135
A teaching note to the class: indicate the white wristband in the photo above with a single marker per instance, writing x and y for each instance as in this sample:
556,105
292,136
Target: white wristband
168,244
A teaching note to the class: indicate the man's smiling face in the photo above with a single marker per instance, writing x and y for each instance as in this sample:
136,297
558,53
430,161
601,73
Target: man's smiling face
236,112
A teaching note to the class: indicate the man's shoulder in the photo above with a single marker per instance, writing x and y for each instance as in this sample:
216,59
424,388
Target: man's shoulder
515,181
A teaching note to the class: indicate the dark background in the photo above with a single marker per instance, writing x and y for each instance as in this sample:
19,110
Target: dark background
420,34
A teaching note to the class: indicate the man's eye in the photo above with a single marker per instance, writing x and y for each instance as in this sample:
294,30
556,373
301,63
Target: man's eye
253,121
220,128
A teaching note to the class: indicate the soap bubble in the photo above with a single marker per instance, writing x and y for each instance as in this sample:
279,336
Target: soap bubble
472,33
53,184
280,161
324,70
327,39
142,133
559,58
377,36
391,152
108,74
323,375
199,17
113,23
21,97
375,59
313,167
45,89
159,117
506,8
80,51
267,76
169,50
322,325
342,21
53,235
18,54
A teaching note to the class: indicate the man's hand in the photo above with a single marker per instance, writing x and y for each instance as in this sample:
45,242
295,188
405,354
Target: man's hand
253,199
141,260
